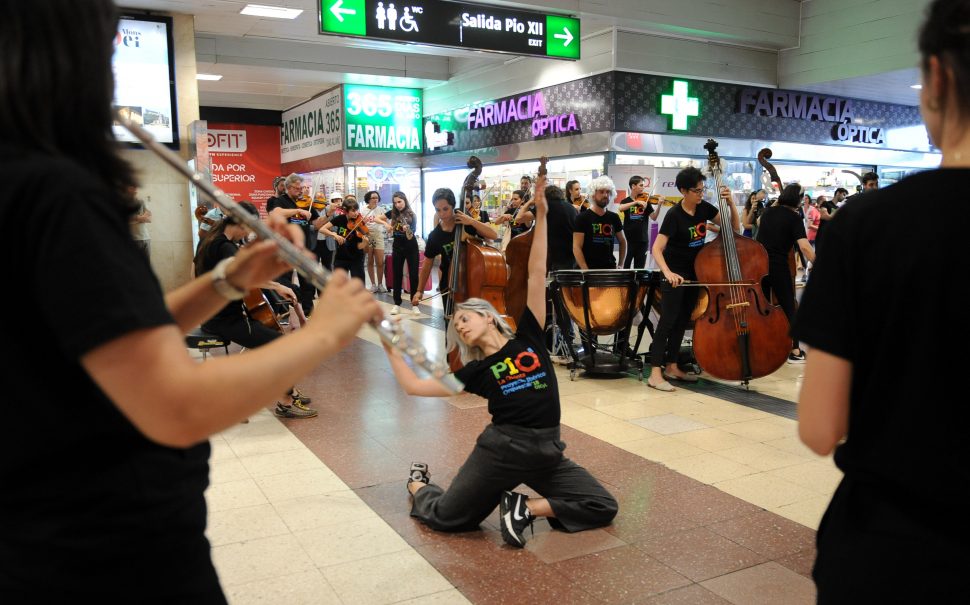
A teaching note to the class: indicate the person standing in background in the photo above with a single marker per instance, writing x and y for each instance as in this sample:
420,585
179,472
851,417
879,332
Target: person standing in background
139,224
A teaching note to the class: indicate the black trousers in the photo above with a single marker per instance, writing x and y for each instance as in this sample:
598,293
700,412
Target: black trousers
241,330
779,281
635,251
353,266
324,254
505,456
676,306
400,253
305,291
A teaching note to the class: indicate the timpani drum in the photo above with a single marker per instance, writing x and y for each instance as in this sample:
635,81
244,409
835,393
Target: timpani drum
602,301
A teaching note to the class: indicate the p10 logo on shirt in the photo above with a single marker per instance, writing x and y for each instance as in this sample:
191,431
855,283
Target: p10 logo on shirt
520,373
603,229
637,211
697,234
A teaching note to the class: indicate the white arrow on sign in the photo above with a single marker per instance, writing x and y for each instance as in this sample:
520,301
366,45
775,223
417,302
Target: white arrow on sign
340,12
565,35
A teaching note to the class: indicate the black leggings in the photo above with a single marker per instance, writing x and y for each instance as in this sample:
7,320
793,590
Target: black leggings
779,281
635,251
676,306
401,253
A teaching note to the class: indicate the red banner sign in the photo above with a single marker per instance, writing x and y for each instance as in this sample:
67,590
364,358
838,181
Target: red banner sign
244,160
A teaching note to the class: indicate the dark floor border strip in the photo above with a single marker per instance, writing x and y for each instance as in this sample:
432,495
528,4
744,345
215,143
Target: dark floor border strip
740,396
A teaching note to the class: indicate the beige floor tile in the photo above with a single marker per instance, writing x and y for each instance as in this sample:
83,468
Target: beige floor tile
244,562
220,449
579,418
759,430
305,588
793,445
765,491
265,444
242,524
762,457
234,494
709,468
820,476
448,597
807,512
660,449
277,463
323,509
386,579
712,440
668,424
618,431
261,424
633,409
300,484
575,387
337,544
227,469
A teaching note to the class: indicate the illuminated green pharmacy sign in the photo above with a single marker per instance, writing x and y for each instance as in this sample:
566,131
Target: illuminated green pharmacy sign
679,106
382,119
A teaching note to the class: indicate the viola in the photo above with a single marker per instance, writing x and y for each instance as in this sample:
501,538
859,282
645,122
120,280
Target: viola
741,335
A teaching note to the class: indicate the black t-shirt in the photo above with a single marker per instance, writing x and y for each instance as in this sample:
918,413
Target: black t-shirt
441,243
400,237
89,504
779,232
517,228
518,380
907,426
830,206
636,221
349,250
221,248
284,201
560,224
599,233
685,235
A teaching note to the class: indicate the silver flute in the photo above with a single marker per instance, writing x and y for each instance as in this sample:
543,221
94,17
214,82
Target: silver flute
391,333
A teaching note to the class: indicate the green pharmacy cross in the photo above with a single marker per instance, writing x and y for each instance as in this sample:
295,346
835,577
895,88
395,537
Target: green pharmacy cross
679,106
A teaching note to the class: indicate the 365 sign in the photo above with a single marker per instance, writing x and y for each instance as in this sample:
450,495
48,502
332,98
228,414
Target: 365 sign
382,119
454,24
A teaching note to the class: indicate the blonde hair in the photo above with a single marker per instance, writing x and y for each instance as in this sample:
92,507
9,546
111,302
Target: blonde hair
484,308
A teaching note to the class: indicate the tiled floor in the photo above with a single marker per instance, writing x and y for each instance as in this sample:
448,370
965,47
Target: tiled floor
718,501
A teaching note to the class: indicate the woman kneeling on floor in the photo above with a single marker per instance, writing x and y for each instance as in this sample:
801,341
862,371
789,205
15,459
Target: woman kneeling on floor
521,445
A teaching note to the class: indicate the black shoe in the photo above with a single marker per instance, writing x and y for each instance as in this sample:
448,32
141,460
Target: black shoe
796,357
515,517
419,473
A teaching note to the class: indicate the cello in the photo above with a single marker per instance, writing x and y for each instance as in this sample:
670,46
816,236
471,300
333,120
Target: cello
477,270
740,336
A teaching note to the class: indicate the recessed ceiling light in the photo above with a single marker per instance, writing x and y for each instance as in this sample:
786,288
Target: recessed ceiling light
208,76
917,86
276,12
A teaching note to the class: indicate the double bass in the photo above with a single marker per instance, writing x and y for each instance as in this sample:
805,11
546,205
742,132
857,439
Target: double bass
477,270
517,257
741,335
763,156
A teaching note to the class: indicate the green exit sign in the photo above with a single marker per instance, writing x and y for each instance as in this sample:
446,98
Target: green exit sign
454,24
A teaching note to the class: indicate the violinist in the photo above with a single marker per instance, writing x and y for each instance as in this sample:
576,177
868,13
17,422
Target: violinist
231,322
680,239
574,194
752,212
441,240
308,220
518,224
404,249
636,209
895,530
476,211
353,238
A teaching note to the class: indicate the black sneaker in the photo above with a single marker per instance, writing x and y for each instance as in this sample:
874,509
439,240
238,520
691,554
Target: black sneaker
796,357
296,410
418,473
296,394
515,517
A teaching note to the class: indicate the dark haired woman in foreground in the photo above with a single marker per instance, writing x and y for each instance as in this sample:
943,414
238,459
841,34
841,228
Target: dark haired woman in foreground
103,502
896,530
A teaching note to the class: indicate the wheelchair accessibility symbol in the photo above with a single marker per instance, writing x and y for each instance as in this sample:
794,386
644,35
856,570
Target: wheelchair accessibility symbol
388,18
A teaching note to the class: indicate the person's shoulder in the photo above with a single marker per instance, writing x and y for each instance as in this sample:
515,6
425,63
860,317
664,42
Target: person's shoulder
35,166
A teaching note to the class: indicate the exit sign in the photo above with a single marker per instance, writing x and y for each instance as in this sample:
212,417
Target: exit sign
454,24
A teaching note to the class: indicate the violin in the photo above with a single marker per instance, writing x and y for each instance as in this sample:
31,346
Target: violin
357,224
303,202
319,202
741,335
